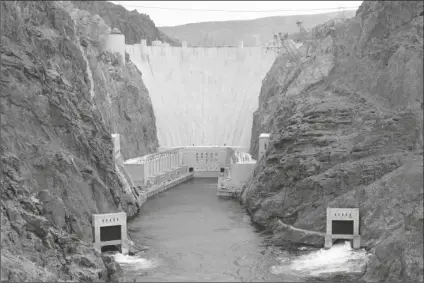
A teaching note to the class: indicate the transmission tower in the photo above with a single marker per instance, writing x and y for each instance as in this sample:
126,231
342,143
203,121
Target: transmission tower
300,25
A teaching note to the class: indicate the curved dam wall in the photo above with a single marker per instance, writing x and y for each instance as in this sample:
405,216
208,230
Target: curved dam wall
202,96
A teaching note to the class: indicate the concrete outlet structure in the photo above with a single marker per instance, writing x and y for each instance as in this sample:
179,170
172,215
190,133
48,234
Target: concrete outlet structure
240,170
343,223
116,144
263,144
206,161
156,168
116,43
110,230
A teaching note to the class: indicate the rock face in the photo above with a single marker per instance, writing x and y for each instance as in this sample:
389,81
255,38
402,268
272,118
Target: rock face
56,145
347,130
125,103
120,96
133,25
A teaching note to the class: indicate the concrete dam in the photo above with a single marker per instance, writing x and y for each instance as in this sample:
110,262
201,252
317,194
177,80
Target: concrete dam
204,99
200,95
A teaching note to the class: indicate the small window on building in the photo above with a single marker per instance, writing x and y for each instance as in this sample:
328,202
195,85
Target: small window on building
222,170
190,169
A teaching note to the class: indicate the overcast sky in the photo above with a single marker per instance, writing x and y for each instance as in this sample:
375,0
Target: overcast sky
172,13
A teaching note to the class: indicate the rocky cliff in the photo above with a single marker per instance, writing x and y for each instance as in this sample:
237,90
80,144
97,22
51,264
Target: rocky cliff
56,146
347,128
120,95
133,25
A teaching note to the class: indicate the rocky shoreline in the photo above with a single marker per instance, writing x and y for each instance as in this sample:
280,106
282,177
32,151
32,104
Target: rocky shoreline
56,151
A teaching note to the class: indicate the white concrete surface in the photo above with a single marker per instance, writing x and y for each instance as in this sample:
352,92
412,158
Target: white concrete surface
116,140
263,144
151,166
205,159
115,43
110,219
202,96
240,174
351,214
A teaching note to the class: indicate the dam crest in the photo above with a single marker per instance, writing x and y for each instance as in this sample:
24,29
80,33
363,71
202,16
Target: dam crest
200,95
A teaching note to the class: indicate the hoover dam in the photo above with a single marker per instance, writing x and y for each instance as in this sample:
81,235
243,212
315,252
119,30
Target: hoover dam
201,95
122,159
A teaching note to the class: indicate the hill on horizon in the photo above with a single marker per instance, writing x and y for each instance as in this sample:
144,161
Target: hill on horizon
230,32
134,25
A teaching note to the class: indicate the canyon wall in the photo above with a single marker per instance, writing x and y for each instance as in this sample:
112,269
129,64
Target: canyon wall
62,97
202,96
347,131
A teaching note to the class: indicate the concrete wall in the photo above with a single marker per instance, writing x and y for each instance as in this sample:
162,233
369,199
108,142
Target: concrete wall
241,173
136,171
153,167
202,96
203,159
110,219
116,43
263,144
116,144
206,174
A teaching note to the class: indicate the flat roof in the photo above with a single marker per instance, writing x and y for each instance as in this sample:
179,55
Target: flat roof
144,158
265,135
137,160
193,146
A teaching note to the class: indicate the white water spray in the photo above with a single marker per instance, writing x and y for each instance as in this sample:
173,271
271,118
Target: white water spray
134,261
339,258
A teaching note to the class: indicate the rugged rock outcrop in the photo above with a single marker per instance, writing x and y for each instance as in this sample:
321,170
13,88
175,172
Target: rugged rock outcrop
132,24
56,145
347,128
120,94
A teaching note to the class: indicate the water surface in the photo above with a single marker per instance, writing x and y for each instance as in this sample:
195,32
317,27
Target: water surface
192,235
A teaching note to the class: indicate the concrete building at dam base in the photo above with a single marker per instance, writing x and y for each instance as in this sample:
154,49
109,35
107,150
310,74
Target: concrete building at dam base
156,172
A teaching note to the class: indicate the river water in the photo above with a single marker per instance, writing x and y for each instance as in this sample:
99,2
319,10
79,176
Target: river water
192,235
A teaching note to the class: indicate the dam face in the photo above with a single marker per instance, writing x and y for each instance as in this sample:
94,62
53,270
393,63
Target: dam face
202,96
